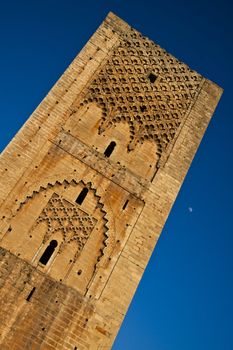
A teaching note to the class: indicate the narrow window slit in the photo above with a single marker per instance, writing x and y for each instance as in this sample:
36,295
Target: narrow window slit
110,149
125,205
82,196
152,77
31,294
48,252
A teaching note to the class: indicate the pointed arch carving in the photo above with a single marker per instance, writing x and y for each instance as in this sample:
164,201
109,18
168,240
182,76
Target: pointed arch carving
154,109
69,219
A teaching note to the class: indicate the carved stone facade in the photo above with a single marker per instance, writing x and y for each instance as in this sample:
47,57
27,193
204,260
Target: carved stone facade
144,86
86,187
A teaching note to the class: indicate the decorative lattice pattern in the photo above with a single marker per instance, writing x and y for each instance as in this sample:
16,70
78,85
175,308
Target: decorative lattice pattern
68,219
153,105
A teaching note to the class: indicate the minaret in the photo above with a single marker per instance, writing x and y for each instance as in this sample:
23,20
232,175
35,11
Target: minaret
87,184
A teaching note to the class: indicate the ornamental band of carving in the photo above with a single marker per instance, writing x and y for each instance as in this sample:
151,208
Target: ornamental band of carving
153,109
63,216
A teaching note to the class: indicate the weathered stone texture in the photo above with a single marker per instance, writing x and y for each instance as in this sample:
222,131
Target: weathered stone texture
96,215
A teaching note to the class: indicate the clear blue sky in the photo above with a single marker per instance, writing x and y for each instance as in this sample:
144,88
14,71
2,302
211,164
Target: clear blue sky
185,300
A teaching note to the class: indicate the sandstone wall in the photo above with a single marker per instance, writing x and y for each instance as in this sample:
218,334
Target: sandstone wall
90,179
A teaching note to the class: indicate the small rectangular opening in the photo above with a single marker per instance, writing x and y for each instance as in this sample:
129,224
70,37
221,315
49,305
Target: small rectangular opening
110,149
125,205
30,294
152,77
81,196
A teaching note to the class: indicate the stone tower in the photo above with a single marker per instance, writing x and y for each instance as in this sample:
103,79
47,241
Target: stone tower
87,184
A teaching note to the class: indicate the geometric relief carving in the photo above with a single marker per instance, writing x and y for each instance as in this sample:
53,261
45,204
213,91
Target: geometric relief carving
153,108
65,221
68,219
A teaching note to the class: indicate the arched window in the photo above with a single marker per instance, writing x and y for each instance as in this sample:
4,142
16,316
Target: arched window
110,149
48,252
82,196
